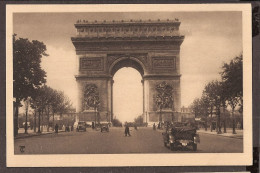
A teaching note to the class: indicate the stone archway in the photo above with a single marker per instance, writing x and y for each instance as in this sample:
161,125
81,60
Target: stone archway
151,47
126,61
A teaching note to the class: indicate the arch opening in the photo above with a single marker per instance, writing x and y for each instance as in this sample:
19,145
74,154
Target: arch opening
127,62
127,94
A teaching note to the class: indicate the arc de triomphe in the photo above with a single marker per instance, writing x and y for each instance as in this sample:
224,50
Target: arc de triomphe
151,47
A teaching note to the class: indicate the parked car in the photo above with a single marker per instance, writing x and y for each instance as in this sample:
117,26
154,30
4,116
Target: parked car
180,136
82,126
104,128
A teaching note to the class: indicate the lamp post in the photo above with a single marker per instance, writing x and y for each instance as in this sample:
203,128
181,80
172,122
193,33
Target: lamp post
233,123
26,115
96,103
146,118
160,118
95,109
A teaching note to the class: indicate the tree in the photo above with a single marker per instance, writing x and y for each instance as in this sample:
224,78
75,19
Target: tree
116,122
255,21
26,105
196,107
64,103
27,74
49,93
207,109
232,76
40,100
213,91
223,98
57,99
139,120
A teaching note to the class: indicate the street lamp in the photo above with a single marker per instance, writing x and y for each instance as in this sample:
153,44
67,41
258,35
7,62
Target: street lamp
96,104
95,109
160,119
146,118
233,123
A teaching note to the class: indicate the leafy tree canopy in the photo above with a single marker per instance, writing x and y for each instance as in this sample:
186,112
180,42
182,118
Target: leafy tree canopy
27,72
232,76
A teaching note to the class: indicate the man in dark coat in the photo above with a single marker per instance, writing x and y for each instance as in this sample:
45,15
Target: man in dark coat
56,128
127,131
154,127
93,125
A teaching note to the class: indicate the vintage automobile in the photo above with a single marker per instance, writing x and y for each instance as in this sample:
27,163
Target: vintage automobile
180,135
82,126
104,128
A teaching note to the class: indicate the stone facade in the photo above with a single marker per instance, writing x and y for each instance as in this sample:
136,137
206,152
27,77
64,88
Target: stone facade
151,47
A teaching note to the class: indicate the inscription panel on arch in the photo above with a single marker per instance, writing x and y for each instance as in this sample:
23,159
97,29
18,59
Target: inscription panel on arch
164,63
92,63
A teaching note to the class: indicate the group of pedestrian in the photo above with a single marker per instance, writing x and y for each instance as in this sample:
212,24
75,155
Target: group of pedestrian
159,126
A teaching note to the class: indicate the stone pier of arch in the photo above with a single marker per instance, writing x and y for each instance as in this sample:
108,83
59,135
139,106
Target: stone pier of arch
102,48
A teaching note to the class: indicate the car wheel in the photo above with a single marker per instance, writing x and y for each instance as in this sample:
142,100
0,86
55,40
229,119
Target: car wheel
172,146
194,147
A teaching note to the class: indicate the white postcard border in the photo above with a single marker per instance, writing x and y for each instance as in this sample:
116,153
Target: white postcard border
170,159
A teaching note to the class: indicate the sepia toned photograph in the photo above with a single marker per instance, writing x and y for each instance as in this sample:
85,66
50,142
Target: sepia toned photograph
129,84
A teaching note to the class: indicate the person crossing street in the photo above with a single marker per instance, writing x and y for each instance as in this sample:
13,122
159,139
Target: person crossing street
127,131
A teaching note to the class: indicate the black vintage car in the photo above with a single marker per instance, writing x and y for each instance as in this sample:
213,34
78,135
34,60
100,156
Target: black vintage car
81,126
104,128
180,136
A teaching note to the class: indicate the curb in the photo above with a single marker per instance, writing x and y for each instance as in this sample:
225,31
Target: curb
236,137
37,134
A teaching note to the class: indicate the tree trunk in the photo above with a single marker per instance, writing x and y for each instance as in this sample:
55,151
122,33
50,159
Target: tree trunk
53,122
233,122
206,124
48,119
39,122
26,114
16,106
42,122
224,113
160,118
219,125
95,118
34,126
211,122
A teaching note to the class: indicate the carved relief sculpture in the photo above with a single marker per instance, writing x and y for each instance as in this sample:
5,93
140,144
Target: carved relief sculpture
91,97
164,99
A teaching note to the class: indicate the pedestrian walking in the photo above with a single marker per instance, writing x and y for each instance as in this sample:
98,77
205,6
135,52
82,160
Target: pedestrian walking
56,128
154,127
158,127
135,127
93,125
127,131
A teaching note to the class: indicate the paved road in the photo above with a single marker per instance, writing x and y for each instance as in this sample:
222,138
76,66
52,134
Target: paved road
144,140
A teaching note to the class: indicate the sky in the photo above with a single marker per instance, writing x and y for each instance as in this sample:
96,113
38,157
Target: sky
211,38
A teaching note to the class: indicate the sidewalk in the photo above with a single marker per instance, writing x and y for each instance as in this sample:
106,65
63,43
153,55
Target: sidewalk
31,133
238,135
